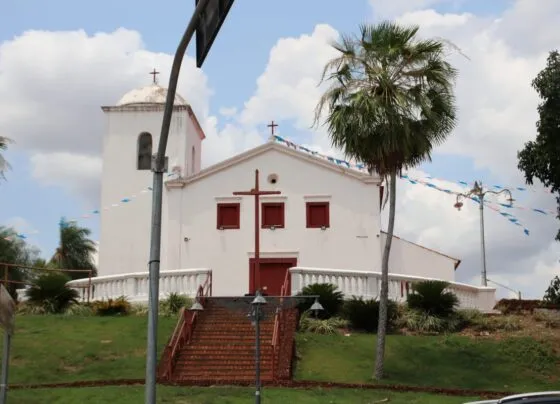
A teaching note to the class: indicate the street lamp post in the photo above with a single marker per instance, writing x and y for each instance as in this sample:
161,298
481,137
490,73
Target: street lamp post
256,315
206,21
480,193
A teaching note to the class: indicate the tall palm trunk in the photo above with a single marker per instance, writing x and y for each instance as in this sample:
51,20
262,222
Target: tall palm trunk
384,295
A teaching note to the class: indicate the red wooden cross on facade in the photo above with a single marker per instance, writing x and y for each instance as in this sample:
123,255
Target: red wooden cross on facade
256,192
154,73
272,125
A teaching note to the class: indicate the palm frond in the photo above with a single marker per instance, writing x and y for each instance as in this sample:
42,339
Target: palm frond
390,99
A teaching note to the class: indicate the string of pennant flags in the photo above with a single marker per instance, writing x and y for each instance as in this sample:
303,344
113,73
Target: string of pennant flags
497,204
89,214
495,207
362,168
427,181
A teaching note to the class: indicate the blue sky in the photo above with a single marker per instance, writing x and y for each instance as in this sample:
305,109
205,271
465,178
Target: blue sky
252,29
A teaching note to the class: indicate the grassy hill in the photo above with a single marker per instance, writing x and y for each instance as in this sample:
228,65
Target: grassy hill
49,349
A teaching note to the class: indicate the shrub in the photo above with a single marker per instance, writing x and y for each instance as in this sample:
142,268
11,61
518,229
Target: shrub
468,317
319,326
364,314
80,309
418,321
50,293
29,309
173,303
330,298
548,318
139,309
496,323
112,307
517,306
432,298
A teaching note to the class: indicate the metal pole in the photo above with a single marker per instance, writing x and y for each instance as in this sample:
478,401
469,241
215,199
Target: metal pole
155,241
482,242
257,236
257,355
5,367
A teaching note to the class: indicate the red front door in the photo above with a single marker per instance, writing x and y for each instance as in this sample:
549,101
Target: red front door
272,274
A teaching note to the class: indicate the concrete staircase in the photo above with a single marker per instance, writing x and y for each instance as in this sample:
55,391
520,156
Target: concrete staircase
220,344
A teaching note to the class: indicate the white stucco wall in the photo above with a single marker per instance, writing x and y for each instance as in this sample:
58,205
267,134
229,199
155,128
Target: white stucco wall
411,259
125,230
351,241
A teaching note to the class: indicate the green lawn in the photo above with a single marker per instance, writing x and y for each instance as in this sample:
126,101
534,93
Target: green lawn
516,364
218,395
50,349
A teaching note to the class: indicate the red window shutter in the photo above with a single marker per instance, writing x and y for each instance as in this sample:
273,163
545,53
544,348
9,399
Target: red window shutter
318,214
272,215
228,216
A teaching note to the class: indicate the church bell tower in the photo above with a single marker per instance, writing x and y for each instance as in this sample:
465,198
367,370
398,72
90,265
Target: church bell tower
131,139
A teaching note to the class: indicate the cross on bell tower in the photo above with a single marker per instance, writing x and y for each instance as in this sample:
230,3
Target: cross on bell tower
154,73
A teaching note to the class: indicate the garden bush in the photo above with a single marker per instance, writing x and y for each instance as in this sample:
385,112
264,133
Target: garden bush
112,307
49,294
330,298
433,299
550,319
422,322
363,314
321,326
80,310
518,306
173,303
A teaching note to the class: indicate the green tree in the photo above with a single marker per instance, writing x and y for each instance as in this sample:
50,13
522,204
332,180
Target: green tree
4,165
541,158
50,293
14,250
552,294
433,298
389,103
75,250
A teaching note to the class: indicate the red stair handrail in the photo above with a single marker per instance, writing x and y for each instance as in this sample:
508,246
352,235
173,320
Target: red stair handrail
185,325
278,319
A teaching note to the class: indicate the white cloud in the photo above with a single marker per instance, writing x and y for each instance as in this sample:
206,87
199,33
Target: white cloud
54,113
73,172
52,85
228,112
390,8
21,225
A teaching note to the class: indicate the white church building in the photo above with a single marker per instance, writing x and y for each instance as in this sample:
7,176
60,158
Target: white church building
323,226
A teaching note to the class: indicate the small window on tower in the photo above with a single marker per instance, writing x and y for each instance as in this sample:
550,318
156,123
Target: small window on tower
144,151
272,215
317,215
193,155
228,216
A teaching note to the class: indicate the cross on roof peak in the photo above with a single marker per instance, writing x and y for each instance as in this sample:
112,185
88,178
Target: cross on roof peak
272,125
154,73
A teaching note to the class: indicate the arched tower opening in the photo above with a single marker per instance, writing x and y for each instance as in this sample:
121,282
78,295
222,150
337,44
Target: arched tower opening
144,151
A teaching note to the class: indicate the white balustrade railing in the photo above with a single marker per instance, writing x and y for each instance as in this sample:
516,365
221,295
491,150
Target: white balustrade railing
134,286
368,285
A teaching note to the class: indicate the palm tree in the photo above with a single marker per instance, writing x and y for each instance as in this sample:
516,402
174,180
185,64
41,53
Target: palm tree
4,165
15,251
389,103
75,250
